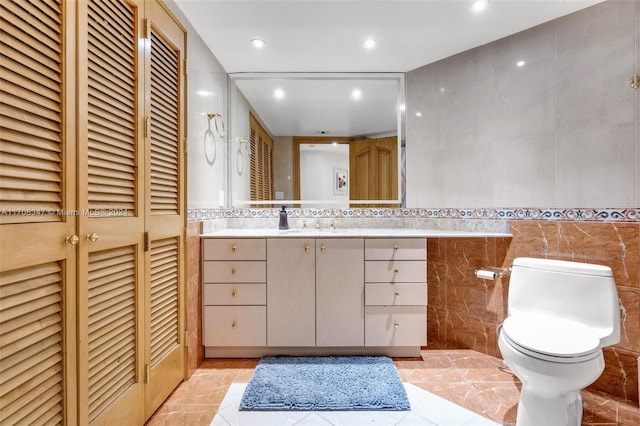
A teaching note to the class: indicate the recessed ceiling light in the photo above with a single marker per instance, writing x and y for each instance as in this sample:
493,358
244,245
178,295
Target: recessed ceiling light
418,114
258,43
278,94
479,5
370,43
520,64
356,94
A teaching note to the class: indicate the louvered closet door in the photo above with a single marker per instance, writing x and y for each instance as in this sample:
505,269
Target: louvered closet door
37,205
165,218
111,229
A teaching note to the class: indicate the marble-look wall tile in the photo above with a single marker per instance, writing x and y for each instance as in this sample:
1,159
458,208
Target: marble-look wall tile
467,294
620,376
436,325
558,131
637,102
437,284
195,351
533,239
595,120
472,332
613,245
629,329
471,308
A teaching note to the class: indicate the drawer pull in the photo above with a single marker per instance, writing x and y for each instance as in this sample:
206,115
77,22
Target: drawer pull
323,248
395,271
396,325
396,294
234,293
234,271
234,248
395,248
307,248
234,325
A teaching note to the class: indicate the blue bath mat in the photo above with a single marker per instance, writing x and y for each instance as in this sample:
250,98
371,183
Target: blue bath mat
281,383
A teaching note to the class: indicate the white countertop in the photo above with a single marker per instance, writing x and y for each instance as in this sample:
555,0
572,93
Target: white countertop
348,232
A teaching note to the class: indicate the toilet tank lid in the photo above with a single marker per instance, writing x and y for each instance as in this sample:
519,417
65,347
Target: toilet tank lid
563,266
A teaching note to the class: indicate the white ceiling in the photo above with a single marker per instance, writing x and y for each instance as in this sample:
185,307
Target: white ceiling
327,35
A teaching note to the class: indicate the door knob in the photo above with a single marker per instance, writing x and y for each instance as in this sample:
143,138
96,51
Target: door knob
72,239
93,237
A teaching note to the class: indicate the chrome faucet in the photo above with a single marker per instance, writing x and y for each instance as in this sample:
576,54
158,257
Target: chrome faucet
284,223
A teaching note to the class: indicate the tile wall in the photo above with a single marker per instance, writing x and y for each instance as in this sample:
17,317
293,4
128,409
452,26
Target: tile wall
463,311
560,130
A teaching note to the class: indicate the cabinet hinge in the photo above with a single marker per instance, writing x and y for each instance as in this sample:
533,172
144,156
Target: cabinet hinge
147,373
147,127
186,339
147,28
146,240
186,68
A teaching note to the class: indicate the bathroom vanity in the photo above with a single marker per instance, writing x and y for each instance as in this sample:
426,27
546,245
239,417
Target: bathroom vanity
314,292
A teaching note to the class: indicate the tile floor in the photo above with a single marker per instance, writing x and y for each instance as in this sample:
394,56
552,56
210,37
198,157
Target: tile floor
427,409
467,378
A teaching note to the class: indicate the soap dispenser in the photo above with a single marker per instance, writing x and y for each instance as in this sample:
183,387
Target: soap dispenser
284,224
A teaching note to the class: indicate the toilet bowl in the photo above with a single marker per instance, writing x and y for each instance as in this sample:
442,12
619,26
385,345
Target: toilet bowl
560,315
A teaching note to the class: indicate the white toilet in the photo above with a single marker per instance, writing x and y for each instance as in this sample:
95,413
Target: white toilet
560,316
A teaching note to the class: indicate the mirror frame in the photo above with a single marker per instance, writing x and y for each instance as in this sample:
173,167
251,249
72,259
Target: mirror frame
232,138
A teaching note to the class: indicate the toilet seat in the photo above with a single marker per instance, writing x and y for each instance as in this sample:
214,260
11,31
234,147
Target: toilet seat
551,338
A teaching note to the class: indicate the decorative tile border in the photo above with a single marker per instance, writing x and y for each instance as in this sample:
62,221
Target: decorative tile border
602,215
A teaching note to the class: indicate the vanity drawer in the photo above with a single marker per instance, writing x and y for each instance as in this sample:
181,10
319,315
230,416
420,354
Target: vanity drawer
407,271
234,249
398,294
235,326
395,249
235,294
247,271
395,326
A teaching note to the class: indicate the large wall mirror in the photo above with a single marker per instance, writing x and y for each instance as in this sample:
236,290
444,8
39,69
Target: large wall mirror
316,140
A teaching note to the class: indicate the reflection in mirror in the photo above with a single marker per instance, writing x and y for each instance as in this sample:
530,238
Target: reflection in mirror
275,118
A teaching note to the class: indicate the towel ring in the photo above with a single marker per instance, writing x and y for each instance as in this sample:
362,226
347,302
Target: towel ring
240,154
218,119
208,135
239,162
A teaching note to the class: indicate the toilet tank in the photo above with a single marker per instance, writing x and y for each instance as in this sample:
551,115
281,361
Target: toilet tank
576,291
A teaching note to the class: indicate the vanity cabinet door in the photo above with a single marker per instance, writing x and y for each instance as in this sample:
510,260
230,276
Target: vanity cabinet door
291,308
340,292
